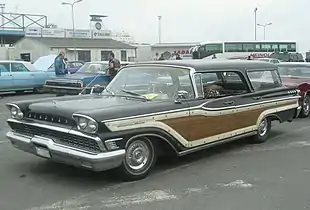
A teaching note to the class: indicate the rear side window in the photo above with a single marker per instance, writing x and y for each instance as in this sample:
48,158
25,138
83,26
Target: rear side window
264,79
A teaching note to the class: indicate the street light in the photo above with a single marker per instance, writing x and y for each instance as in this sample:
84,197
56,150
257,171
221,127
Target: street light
264,26
255,24
73,28
159,29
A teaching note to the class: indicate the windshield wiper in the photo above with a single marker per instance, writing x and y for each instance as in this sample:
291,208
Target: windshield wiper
134,94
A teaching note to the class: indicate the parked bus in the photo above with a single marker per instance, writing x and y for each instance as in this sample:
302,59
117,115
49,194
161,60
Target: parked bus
242,50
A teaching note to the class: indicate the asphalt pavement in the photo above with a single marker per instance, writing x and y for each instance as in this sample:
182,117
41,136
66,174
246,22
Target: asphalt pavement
237,176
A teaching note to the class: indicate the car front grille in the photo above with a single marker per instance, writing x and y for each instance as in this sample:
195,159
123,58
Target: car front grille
63,84
71,140
50,118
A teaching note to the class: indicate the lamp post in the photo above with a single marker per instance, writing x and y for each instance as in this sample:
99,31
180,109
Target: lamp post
159,29
264,26
255,23
73,27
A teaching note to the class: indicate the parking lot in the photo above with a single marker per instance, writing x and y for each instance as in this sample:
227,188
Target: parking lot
237,176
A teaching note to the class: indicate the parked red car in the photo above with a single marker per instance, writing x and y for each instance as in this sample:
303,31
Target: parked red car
297,74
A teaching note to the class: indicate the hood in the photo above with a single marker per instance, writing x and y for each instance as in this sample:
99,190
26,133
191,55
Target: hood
100,107
294,81
44,62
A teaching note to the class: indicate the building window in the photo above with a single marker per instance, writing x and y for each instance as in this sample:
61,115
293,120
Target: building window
123,55
84,55
105,55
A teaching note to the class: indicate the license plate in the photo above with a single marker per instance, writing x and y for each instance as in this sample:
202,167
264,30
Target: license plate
43,152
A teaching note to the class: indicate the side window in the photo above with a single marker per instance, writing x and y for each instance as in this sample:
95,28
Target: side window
264,79
221,84
4,67
19,67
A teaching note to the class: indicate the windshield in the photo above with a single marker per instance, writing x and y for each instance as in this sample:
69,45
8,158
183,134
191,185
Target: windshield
152,83
93,68
294,71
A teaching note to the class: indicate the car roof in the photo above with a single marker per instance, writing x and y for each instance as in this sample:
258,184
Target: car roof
13,61
295,64
207,65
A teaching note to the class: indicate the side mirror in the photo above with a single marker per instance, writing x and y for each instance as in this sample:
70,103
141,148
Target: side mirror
96,89
182,94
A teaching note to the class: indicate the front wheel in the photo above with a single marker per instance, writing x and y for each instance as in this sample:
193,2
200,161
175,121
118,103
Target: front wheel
263,131
305,109
139,159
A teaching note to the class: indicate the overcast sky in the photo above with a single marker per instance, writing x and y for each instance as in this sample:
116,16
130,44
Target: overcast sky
183,20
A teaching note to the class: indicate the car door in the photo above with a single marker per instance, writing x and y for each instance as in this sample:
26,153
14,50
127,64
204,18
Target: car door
6,79
214,118
23,78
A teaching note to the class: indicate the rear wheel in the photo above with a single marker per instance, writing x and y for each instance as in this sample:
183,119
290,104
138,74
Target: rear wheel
263,131
139,159
305,109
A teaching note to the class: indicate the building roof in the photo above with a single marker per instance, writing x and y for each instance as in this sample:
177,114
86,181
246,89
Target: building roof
214,65
81,43
190,44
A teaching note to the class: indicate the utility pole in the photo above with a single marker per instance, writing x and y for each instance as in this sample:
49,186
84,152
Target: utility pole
2,6
159,29
255,23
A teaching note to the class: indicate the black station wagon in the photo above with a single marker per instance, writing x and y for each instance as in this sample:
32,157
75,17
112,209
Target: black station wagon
176,106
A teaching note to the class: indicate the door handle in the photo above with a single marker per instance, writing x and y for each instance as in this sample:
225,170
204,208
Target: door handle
229,102
257,97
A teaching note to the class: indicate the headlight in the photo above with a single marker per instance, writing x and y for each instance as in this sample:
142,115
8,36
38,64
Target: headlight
16,113
86,124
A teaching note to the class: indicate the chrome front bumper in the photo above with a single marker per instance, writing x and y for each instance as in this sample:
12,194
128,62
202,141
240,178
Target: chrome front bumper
68,155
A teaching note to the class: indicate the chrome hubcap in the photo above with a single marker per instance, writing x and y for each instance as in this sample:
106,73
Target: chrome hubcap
306,105
138,155
262,128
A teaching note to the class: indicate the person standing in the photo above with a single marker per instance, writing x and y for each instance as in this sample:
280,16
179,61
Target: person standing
161,58
59,64
114,65
178,57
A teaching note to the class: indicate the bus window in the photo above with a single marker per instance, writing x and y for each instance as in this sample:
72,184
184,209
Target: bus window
214,48
275,47
291,47
266,47
248,47
283,47
233,47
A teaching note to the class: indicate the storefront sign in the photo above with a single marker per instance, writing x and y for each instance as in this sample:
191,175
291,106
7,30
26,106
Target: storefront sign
101,34
53,32
33,32
78,34
183,52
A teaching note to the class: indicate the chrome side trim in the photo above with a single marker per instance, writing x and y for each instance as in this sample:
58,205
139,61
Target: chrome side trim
188,151
117,139
62,87
199,107
63,130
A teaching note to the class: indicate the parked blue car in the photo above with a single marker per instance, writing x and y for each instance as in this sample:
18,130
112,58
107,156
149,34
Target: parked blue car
89,75
20,76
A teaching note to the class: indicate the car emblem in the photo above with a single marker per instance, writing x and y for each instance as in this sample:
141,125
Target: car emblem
54,102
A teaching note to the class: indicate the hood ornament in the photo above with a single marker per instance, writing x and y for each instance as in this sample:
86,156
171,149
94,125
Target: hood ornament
54,102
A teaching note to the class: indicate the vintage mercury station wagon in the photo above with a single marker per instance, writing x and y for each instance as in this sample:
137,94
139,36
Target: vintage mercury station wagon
176,107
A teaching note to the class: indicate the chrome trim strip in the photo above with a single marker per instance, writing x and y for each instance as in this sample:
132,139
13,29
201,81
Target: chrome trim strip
11,104
195,149
117,139
200,107
62,87
63,130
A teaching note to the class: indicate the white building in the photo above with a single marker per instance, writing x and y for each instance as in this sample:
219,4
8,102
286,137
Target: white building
86,49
